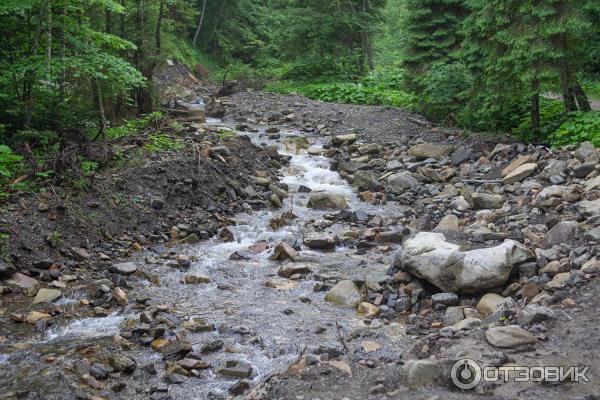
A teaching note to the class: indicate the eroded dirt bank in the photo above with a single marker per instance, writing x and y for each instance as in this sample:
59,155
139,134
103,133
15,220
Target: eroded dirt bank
306,207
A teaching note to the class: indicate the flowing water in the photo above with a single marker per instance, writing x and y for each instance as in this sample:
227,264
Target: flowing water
265,327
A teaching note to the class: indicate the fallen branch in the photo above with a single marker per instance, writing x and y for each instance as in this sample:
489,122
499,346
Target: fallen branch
340,338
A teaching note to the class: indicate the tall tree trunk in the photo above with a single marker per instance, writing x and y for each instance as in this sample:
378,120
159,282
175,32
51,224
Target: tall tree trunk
108,21
582,100
535,106
567,88
29,79
122,21
100,107
195,40
158,26
63,53
143,94
217,21
48,40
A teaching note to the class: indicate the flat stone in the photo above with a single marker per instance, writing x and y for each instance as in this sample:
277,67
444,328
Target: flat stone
321,241
23,284
34,316
508,337
447,299
80,254
519,161
401,182
284,251
589,207
344,293
466,324
453,315
534,313
235,369
281,284
292,268
367,310
327,201
126,268
46,295
519,173
430,150
343,139
487,201
489,303
427,372
560,233
194,279
121,363
448,224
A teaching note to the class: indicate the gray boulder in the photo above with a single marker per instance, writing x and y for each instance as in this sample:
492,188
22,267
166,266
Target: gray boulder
429,256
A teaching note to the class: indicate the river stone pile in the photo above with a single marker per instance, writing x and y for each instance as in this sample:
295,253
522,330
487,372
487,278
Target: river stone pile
488,227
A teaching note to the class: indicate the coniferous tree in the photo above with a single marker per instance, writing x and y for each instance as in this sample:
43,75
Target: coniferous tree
433,35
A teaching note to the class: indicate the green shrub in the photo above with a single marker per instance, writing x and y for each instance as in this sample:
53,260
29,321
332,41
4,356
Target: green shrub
349,93
443,93
552,116
579,127
162,142
133,126
9,164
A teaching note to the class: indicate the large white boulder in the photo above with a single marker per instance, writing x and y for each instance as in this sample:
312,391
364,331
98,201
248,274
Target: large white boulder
429,256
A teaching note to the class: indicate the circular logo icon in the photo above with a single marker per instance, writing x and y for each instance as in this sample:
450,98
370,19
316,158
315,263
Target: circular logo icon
465,374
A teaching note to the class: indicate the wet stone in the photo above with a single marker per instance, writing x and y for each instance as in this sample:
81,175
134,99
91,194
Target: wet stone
99,371
126,268
235,369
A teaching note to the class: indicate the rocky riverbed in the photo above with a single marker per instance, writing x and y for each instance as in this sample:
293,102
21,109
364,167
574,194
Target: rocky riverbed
334,252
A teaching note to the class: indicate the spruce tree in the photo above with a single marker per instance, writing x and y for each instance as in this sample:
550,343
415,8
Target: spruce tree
433,35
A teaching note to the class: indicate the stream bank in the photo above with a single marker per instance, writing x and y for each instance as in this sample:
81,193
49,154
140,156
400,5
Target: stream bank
242,317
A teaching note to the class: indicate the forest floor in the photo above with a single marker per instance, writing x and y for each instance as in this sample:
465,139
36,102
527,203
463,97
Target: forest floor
158,209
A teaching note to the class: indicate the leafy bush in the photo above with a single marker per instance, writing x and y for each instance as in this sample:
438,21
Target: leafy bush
552,116
350,93
162,142
133,126
579,127
9,163
444,88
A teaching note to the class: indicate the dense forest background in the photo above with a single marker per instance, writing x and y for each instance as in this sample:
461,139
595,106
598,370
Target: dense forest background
80,70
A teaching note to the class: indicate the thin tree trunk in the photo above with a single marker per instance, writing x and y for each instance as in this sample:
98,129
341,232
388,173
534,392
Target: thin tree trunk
195,40
535,106
158,26
143,95
217,20
30,75
567,88
63,52
582,99
108,21
122,21
49,40
100,106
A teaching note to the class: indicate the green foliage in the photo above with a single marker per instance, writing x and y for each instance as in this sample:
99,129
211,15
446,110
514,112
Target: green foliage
224,134
444,91
552,116
579,127
350,93
162,142
433,35
88,167
9,164
134,126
